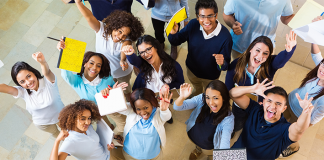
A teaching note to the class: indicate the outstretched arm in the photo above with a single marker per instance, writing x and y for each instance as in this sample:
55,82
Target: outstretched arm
39,57
54,154
87,14
8,89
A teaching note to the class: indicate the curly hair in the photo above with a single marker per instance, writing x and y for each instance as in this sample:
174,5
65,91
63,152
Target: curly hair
168,66
72,112
143,94
119,19
18,66
104,70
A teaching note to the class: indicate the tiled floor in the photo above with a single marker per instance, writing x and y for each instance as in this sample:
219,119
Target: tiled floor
24,25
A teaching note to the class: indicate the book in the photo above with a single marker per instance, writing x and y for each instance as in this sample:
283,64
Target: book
115,102
71,57
179,16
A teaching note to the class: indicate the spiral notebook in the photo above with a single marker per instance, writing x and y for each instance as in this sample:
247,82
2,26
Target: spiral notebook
230,154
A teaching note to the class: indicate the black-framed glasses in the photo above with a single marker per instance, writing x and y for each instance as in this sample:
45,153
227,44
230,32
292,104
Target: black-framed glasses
208,17
147,51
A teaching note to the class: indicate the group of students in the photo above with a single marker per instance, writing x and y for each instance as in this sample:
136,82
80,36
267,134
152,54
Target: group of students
266,133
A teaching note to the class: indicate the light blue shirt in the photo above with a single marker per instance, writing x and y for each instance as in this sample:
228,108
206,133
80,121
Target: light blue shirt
163,10
224,129
251,76
85,91
143,140
312,89
258,17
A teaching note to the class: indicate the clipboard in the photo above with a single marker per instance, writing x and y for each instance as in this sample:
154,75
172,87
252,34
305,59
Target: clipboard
71,57
179,16
230,154
115,102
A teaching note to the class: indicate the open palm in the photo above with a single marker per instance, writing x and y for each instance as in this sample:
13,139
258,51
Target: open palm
259,88
185,90
291,41
165,100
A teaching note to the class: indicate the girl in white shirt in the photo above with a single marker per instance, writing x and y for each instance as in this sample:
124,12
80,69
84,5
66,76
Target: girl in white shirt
81,141
41,94
118,29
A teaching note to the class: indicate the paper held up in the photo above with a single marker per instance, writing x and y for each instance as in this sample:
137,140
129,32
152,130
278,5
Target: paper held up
312,33
306,14
179,16
105,133
115,102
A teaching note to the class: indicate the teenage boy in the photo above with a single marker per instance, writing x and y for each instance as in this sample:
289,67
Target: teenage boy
209,45
266,132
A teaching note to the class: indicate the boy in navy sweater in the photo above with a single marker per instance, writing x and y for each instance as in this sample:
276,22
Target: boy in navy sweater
209,45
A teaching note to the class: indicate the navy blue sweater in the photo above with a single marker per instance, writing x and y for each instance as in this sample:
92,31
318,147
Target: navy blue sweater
140,81
277,62
102,8
200,58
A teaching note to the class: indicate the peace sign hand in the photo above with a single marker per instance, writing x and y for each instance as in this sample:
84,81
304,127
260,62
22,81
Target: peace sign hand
165,100
306,103
259,88
291,41
185,90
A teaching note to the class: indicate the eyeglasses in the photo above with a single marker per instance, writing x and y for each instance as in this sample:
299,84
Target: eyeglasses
208,17
322,64
147,51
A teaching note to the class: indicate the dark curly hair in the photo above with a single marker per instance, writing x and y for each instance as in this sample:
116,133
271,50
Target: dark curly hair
143,94
119,19
69,114
105,69
168,66
18,66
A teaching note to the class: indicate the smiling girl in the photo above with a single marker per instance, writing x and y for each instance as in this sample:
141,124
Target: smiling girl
41,94
257,62
211,123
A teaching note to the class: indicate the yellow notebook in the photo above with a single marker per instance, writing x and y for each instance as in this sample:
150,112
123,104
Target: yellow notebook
306,14
179,16
71,57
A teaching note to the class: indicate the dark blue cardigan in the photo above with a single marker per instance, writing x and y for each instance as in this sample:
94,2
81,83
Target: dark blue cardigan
140,81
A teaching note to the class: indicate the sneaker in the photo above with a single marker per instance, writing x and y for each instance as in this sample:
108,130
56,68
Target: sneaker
174,52
170,121
288,152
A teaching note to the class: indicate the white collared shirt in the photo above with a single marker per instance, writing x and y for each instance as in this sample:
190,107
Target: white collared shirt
214,33
156,83
44,104
94,82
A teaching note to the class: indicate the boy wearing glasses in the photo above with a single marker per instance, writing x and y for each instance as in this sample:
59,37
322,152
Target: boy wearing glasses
209,45
251,19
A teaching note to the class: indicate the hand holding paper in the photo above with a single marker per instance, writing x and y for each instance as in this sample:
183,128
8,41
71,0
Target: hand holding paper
179,16
115,102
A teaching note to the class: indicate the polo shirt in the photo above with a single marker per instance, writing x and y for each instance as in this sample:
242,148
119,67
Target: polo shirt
45,104
262,140
111,51
84,146
102,8
214,33
94,82
258,18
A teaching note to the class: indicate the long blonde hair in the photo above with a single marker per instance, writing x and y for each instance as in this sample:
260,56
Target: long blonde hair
243,60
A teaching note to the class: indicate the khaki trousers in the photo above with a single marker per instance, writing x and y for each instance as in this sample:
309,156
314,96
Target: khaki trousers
235,54
291,118
127,80
199,84
128,157
120,121
51,128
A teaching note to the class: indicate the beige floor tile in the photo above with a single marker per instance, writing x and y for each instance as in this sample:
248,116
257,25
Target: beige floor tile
5,75
317,151
82,33
58,8
10,13
41,28
47,1
189,147
84,22
52,63
70,19
48,48
320,132
6,103
145,17
29,1
300,55
36,134
3,2
68,95
45,151
57,33
33,12
295,156
309,63
287,72
21,103
3,153
307,140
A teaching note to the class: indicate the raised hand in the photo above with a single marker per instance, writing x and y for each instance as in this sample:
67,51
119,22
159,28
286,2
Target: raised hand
123,85
291,41
318,18
305,103
63,134
165,100
175,28
105,92
219,59
124,65
39,57
237,28
259,88
128,50
165,89
60,45
185,90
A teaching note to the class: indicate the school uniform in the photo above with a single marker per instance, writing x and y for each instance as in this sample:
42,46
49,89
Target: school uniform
44,104
156,83
85,146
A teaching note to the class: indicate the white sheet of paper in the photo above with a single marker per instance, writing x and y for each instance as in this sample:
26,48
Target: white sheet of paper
106,135
115,102
1,64
145,2
312,33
